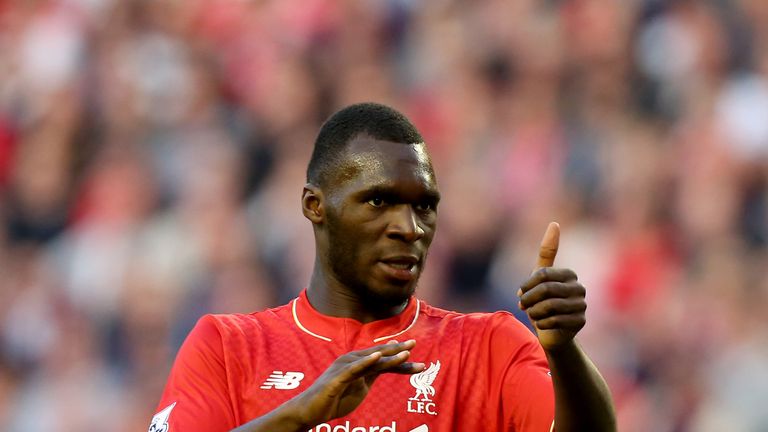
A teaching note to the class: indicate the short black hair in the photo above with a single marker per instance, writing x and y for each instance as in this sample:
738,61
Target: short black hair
372,119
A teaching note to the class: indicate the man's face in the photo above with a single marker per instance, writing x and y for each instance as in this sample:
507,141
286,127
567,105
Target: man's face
381,208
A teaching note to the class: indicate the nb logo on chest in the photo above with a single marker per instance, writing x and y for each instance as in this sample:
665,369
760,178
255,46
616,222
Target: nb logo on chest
282,381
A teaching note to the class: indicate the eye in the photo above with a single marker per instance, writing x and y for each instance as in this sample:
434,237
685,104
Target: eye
376,202
425,207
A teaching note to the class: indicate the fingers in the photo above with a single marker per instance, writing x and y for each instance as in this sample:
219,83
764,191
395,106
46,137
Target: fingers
552,290
390,348
556,306
344,385
397,364
357,367
549,244
547,274
407,368
570,323
390,357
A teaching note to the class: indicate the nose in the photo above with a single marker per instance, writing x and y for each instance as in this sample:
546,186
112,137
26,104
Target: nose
404,224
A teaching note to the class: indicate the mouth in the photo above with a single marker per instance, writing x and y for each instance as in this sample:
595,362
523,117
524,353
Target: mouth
401,267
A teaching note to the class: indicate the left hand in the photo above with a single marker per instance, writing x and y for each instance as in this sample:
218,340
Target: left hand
553,298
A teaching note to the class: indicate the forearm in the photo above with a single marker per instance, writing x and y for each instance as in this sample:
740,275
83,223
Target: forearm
284,418
582,399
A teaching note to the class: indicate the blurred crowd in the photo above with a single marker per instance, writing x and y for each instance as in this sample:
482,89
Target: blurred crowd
153,152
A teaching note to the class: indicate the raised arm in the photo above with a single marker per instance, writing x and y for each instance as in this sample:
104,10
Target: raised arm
555,302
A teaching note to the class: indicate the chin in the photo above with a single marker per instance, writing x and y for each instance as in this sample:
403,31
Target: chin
390,295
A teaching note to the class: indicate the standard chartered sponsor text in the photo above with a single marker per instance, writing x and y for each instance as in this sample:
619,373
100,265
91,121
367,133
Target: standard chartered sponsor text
347,427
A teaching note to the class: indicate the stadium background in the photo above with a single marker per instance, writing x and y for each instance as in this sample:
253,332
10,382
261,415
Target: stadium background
152,154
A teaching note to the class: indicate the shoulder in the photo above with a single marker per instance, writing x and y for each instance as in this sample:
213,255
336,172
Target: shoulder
485,322
226,326
494,340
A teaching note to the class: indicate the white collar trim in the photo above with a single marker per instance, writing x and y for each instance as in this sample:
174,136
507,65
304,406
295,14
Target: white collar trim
378,339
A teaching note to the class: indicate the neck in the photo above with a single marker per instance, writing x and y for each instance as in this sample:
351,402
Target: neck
331,297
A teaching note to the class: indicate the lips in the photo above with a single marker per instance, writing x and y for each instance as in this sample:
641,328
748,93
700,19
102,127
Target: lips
400,267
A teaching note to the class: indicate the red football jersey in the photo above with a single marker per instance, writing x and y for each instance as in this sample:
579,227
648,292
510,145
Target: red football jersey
485,371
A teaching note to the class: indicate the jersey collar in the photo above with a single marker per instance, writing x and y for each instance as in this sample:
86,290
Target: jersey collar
333,329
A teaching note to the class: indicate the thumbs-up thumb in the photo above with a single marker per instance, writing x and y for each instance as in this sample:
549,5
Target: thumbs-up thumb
549,245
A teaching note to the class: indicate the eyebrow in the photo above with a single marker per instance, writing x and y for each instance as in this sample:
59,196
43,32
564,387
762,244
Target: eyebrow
391,192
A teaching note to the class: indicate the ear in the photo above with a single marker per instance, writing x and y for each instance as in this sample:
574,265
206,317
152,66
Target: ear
312,203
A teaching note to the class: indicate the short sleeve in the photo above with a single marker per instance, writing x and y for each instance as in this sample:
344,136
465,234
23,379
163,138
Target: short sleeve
196,396
528,400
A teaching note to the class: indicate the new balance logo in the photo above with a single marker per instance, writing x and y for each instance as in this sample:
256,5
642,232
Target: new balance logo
283,381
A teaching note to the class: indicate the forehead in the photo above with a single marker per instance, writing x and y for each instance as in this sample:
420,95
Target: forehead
368,161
